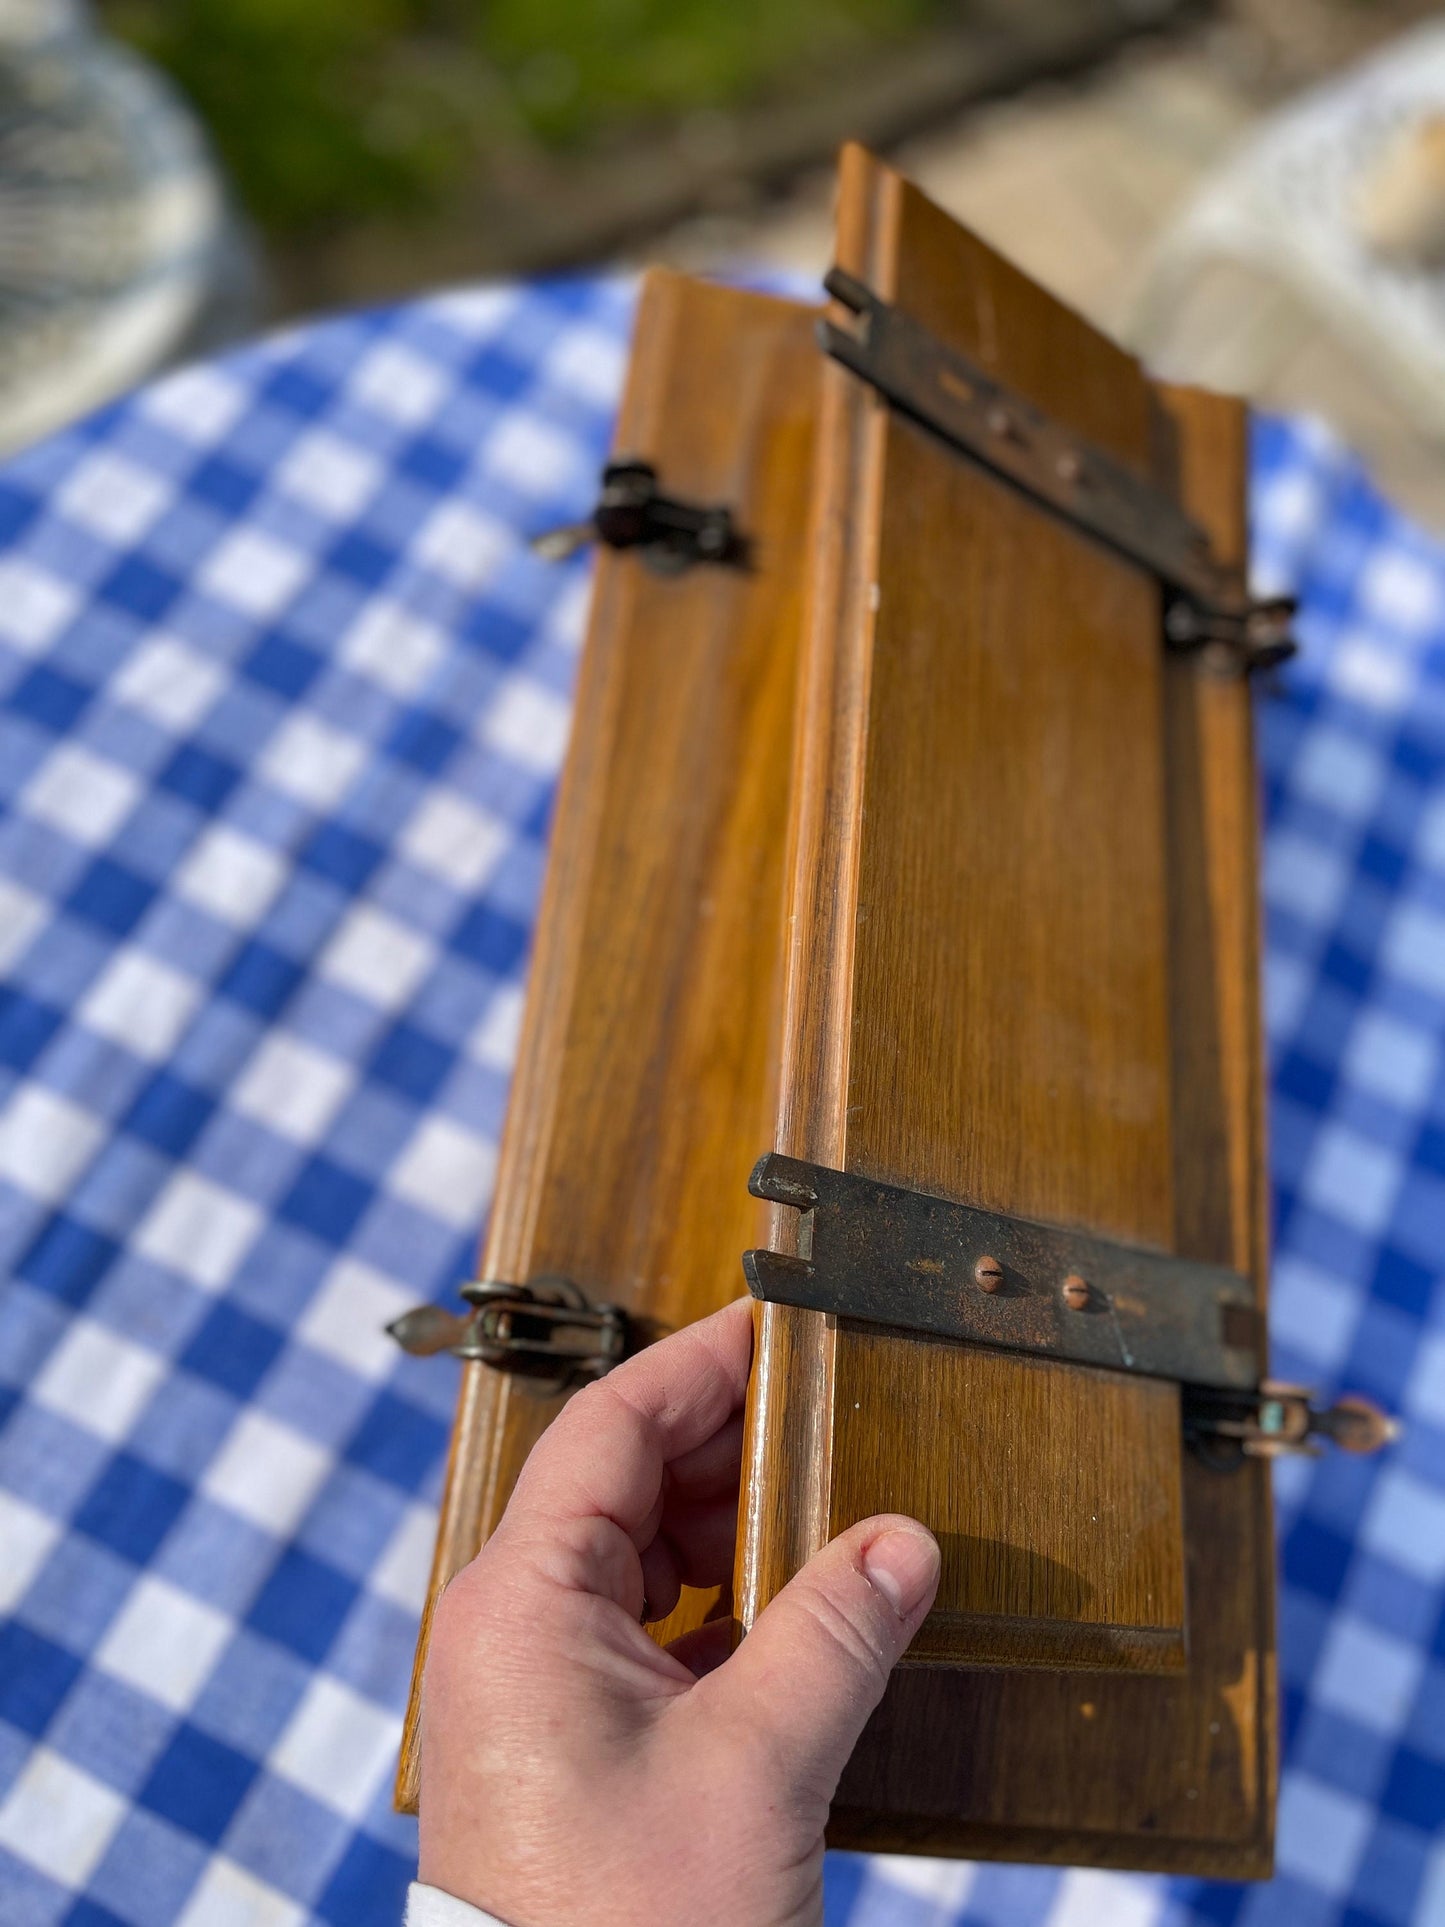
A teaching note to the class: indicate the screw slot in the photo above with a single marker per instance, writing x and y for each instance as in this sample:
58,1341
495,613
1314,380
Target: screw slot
988,1274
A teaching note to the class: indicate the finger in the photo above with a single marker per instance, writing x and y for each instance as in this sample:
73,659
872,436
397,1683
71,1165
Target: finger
816,1662
689,1536
703,1542
661,1579
710,1471
697,1551
705,1648
605,1457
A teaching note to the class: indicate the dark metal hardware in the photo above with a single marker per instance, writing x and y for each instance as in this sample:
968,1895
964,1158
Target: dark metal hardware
632,512
545,1332
1256,638
1275,1420
933,1267
954,396
891,1256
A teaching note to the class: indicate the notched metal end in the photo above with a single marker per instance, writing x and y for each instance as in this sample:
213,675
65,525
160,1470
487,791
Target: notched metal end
781,1180
774,1277
847,343
848,289
838,342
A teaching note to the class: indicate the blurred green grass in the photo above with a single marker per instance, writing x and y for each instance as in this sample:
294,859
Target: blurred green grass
340,110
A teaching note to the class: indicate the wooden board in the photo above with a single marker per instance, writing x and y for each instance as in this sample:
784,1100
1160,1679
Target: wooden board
1022,972
998,1006
647,1070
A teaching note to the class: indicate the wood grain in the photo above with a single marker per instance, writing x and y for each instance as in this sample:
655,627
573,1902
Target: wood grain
646,1074
977,994
1176,1775
1028,977
1050,1558
1010,1038
689,903
787,1450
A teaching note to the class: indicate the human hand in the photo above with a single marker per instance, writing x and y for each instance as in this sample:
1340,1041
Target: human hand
571,1769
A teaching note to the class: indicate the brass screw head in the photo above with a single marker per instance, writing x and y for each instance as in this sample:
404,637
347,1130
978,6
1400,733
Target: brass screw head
988,1274
1076,1292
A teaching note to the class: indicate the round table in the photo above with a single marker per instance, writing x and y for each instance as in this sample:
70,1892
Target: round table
283,697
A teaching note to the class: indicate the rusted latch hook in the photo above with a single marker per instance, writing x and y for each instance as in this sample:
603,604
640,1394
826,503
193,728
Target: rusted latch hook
545,1333
1255,637
633,512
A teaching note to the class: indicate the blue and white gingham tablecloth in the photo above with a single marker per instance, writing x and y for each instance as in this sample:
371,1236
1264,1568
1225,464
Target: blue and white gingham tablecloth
283,696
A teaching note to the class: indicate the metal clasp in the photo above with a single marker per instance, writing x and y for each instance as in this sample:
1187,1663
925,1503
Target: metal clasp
632,512
546,1332
1257,636
1277,1421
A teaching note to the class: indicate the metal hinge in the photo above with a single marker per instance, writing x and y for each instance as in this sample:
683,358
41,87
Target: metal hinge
930,1266
632,512
546,1332
1209,609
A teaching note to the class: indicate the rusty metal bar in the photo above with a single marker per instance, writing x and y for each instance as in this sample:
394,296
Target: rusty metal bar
926,1265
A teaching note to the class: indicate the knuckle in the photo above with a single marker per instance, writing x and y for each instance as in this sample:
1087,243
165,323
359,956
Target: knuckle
849,1632
461,1603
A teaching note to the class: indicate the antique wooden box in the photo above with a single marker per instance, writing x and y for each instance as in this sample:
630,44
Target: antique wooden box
908,835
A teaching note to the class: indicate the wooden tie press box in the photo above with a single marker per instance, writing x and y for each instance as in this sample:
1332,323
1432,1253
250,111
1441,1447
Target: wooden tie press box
908,835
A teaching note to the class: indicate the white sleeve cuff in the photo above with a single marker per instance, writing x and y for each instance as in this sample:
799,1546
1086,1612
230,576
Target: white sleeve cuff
430,1907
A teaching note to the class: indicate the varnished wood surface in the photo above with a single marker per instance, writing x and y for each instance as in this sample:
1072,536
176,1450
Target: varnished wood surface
1010,1017
647,1069
904,1055
977,993
1049,1557
1113,1768
1010,1035
1174,1775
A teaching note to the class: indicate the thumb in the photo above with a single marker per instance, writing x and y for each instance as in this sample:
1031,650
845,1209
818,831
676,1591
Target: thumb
817,1660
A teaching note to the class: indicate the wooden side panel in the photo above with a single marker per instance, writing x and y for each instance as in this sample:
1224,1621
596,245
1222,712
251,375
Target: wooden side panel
984,975
647,1071
1083,1049
1010,1045
1010,1020
1050,1558
1177,1775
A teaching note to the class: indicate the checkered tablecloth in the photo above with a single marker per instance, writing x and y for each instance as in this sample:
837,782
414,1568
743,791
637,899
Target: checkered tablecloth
283,696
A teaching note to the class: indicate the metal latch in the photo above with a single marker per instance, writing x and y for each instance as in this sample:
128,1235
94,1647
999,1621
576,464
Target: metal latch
546,1332
1276,1420
632,512
954,396
1255,637
887,1255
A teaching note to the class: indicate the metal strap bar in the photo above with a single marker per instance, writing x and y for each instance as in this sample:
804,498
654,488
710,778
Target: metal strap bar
951,394
890,1256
